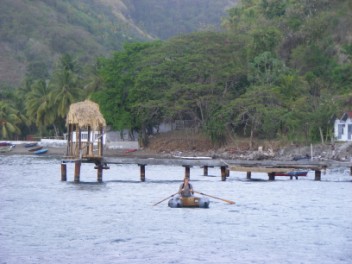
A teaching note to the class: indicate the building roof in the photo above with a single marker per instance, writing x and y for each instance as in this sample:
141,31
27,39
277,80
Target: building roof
346,115
85,114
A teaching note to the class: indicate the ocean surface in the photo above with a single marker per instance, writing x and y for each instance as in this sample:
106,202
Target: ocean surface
44,220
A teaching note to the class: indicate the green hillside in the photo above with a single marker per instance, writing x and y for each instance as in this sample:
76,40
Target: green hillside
34,33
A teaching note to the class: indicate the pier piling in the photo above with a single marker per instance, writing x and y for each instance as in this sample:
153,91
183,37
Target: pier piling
77,171
187,171
249,175
205,170
63,172
142,171
223,173
317,175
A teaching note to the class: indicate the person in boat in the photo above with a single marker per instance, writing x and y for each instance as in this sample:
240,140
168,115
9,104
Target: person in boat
186,189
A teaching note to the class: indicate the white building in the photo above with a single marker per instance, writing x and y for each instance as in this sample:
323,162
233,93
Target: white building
343,127
94,135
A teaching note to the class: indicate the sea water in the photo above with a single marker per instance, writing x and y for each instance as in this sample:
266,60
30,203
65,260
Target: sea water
44,220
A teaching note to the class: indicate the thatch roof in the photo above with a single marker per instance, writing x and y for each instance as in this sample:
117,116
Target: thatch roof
85,114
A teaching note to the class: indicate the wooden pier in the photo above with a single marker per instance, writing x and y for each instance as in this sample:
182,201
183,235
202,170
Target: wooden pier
225,166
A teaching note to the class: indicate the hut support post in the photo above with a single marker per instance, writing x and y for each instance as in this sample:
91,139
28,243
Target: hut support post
271,176
142,172
187,171
317,175
223,173
249,175
77,171
63,172
205,170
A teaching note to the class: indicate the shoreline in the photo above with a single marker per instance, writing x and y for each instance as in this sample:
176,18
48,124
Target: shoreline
286,154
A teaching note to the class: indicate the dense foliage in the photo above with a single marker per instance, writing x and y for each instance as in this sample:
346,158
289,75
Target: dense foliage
280,70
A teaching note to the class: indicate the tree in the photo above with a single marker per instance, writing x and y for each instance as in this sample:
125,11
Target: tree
9,121
40,105
65,85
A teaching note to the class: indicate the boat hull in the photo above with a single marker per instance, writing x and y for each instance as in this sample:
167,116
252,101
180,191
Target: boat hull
189,202
30,145
292,173
40,151
35,149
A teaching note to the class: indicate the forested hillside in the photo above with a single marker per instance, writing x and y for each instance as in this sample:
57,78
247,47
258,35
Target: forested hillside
279,70
282,70
33,34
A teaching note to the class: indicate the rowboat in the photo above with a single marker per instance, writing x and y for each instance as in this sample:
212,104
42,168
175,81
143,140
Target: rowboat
35,149
30,145
189,202
193,158
5,144
292,173
4,149
40,151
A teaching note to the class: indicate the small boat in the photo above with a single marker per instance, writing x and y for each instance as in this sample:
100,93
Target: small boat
30,145
35,149
292,173
40,151
193,158
5,144
4,149
191,202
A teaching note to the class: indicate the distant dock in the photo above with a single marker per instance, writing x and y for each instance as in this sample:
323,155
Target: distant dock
271,167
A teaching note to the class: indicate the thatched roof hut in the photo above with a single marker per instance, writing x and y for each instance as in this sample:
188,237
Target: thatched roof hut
85,114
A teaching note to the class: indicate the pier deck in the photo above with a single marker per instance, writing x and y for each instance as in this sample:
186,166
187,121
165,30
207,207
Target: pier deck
267,166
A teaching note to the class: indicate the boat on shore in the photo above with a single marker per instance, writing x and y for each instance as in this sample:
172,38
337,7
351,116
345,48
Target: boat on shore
30,145
5,144
292,173
193,158
189,202
4,149
40,151
35,148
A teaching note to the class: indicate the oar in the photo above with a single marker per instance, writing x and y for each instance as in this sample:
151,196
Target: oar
165,199
228,201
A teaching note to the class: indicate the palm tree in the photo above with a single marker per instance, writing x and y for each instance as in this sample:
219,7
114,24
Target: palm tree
65,85
40,105
8,120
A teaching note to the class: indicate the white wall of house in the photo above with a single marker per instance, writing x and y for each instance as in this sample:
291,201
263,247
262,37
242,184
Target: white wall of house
343,128
84,136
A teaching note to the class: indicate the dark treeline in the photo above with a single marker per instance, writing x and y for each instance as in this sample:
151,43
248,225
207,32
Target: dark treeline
279,70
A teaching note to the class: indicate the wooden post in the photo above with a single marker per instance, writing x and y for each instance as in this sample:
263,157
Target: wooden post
142,170
351,171
317,175
77,170
88,142
100,173
187,171
69,141
249,175
63,172
271,176
223,173
205,170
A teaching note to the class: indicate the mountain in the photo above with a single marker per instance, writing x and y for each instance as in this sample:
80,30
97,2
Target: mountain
34,33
